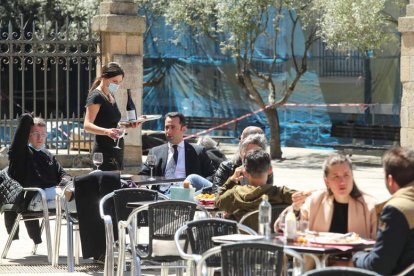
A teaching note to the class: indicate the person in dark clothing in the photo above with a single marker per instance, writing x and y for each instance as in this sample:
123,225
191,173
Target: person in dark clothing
103,115
215,155
227,168
32,165
178,158
394,247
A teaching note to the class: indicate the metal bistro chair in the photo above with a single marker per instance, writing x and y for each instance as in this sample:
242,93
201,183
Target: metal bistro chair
164,219
340,271
200,233
408,271
63,212
247,258
120,199
44,215
251,219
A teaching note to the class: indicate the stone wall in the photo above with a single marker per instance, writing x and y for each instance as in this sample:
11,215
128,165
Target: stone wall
121,31
406,27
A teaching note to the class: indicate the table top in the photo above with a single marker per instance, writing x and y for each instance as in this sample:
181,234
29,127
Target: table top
141,180
318,248
139,203
312,248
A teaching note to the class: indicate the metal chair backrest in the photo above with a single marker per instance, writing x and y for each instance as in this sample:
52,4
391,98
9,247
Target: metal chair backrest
25,215
165,217
200,233
407,271
341,271
251,259
251,219
121,198
113,208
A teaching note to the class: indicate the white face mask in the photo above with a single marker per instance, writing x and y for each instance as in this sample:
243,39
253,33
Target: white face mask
39,149
113,87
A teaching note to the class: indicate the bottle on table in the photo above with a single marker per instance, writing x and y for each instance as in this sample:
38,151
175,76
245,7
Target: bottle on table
265,217
130,107
290,226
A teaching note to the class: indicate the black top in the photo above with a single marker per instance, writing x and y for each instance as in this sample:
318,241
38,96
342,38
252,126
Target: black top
29,167
339,222
108,117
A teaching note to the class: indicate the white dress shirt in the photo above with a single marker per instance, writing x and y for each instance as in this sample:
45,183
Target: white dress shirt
180,168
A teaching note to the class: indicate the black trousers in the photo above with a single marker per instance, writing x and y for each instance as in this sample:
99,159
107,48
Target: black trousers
32,226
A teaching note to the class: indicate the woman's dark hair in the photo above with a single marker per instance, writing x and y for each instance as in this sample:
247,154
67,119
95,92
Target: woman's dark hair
110,70
335,159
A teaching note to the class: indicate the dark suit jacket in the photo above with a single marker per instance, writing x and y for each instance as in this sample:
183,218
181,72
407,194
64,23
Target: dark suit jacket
196,161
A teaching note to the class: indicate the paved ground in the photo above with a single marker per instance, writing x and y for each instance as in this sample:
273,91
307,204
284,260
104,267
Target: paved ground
300,169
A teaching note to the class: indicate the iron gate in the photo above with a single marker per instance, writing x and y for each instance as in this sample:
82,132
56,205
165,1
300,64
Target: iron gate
47,69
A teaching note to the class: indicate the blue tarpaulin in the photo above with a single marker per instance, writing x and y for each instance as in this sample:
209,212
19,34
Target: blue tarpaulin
195,78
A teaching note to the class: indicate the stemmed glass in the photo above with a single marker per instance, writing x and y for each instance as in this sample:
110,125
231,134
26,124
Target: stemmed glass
121,133
151,162
97,159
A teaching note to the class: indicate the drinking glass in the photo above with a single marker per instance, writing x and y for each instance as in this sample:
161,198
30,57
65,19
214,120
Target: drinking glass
303,226
151,162
97,159
121,133
281,224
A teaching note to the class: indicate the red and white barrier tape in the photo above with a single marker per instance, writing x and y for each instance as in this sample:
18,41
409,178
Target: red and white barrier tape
268,106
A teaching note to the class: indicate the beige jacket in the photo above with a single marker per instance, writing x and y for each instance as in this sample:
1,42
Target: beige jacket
362,219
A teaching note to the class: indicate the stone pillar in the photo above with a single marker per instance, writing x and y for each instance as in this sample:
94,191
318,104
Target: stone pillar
121,31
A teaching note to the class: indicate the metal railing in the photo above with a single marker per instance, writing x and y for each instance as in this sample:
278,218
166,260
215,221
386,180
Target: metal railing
47,70
339,64
64,134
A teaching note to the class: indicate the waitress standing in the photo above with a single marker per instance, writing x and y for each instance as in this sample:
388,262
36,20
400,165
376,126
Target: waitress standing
102,116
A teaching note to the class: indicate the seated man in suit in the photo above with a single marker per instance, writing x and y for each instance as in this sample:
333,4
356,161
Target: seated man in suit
177,158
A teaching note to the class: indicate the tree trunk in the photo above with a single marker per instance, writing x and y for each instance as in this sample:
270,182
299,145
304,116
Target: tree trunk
274,127
271,115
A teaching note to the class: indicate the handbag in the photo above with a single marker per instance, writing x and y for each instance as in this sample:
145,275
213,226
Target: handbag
11,192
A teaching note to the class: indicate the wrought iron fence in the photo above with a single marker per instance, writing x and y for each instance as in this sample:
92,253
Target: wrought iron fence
47,69
338,64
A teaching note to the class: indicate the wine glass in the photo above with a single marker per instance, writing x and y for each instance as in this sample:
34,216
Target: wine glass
121,133
151,162
97,159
